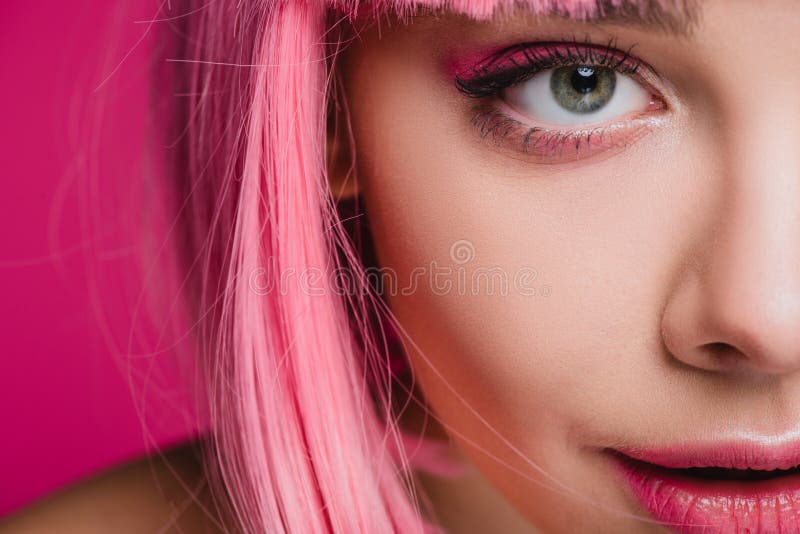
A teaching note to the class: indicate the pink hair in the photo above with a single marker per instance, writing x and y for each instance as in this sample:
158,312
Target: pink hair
305,439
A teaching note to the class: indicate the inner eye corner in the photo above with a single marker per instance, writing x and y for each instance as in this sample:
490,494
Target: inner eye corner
658,103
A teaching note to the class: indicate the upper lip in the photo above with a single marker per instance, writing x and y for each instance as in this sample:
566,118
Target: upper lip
765,454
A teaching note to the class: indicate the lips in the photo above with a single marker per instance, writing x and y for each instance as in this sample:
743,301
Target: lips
717,487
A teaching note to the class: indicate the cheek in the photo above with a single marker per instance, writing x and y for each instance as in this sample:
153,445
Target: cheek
529,296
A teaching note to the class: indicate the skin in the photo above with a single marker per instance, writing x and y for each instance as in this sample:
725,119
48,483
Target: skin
166,494
672,261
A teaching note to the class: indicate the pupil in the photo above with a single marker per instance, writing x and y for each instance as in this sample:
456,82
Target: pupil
584,80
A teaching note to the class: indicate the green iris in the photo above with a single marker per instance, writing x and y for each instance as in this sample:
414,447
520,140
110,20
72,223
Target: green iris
583,89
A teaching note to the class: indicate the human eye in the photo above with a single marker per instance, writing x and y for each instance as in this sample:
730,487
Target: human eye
559,101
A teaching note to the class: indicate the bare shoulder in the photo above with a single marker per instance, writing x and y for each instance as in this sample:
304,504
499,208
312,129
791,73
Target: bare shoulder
157,494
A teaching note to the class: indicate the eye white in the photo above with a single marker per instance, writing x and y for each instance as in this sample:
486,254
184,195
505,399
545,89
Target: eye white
534,98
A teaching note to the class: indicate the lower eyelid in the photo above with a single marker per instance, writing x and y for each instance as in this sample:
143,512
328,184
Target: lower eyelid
553,145
656,105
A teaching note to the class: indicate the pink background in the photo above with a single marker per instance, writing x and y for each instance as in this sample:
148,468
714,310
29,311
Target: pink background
93,368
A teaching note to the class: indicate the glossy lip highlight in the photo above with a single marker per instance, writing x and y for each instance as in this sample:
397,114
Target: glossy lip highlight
691,504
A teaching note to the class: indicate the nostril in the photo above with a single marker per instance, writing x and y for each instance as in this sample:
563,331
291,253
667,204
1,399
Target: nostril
718,348
722,352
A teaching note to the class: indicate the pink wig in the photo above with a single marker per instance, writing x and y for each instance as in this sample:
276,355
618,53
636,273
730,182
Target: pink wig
305,438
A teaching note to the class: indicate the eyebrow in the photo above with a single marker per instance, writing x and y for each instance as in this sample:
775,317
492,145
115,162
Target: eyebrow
673,17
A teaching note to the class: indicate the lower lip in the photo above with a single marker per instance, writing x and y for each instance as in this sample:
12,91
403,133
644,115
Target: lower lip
691,505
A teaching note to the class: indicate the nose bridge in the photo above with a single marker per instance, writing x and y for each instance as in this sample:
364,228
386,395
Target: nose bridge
744,300
752,272
756,239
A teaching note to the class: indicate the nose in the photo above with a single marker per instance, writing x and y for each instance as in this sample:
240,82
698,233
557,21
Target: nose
736,305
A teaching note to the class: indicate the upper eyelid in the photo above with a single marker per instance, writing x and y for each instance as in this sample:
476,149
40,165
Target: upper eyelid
485,77
585,51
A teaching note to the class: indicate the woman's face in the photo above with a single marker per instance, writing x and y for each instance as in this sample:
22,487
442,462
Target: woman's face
603,256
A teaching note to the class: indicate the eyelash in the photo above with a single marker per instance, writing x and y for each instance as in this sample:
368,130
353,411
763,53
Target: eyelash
518,63
490,121
489,77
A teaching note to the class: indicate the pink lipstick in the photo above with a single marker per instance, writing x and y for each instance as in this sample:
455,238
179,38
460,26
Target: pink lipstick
720,487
